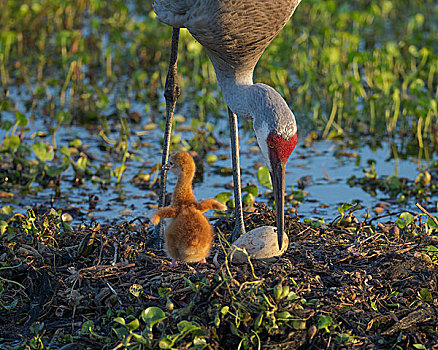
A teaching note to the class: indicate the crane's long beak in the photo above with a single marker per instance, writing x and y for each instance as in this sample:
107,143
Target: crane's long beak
277,177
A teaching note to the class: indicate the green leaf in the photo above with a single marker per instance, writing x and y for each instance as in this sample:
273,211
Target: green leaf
152,315
426,295
223,197
11,143
285,292
21,119
292,296
133,325
188,326
299,324
75,143
259,320
345,206
278,291
43,151
7,209
199,342
315,223
284,315
344,337
166,343
431,223
252,189
64,151
217,321
122,105
63,117
6,125
430,249
120,332
164,292
211,127
225,310
3,226
136,290
67,226
231,204
54,170
140,339
120,320
324,322
211,159
87,327
264,177
419,346
404,220
248,199
81,163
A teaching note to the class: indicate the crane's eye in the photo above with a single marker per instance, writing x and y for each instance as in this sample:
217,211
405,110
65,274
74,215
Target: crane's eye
270,145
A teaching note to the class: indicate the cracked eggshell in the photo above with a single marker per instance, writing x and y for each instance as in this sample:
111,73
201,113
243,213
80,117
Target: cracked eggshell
260,243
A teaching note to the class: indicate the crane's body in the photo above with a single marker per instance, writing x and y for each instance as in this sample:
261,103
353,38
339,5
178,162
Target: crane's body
235,34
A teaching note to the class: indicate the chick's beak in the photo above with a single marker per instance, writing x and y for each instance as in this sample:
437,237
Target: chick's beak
166,166
277,177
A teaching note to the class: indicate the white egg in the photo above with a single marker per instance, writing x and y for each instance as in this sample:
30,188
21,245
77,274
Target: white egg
260,243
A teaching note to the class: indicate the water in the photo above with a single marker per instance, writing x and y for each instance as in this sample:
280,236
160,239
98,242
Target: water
325,167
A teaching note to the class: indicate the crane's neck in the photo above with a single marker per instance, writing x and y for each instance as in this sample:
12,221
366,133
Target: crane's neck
237,90
262,103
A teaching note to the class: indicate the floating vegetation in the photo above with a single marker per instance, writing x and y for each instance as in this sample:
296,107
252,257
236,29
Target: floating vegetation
423,188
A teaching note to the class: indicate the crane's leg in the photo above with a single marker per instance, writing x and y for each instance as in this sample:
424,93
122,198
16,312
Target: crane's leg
171,93
239,227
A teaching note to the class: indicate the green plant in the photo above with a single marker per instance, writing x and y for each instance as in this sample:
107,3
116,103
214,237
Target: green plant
132,339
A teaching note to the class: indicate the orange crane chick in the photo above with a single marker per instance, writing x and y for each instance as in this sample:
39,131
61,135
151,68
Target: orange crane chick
189,235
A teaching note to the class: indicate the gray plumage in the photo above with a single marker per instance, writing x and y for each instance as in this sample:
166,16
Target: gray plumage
234,32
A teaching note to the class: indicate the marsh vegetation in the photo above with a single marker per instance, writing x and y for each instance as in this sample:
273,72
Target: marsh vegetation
81,120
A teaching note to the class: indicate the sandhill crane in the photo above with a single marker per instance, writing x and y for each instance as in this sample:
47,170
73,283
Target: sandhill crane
234,34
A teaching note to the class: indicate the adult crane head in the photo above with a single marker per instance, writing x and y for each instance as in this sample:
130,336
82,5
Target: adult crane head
276,131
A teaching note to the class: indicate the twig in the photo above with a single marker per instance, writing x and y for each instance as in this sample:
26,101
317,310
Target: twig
115,254
99,259
114,292
427,213
11,281
215,261
138,218
248,283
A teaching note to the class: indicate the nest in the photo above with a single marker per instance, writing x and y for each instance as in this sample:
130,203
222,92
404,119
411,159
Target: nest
336,287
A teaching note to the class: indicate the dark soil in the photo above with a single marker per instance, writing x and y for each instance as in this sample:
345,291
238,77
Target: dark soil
377,284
